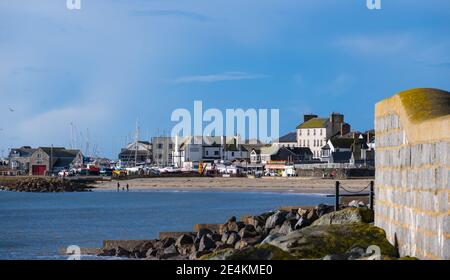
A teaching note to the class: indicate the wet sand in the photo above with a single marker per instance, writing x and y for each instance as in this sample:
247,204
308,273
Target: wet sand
265,184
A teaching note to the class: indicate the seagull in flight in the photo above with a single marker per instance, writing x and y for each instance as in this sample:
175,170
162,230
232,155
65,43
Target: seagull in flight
11,109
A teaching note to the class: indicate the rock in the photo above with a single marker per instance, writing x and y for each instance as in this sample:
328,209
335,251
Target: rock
312,216
302,212
231,226
346,216
287,227
352,254
108,253
245,242
220,255
215,237
184,239
240,244
186,249
275,230
291,215
269,238
122,252
225,236
166,242
259,221
232,219
206,244
355,253
233,238
200,234
276,219
318,241
260,229
197,255
140,251
302,222
356,204
260,252
323,209
248,231
170,250
151,253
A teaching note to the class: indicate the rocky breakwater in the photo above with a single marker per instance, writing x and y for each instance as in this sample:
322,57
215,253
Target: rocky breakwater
46,185
318,233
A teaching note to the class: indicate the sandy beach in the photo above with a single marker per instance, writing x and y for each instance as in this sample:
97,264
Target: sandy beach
265,184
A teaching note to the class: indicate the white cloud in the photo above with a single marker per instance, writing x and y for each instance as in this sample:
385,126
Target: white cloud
226,76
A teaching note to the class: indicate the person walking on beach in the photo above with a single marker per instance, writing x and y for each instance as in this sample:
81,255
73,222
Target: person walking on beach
128,187
118,186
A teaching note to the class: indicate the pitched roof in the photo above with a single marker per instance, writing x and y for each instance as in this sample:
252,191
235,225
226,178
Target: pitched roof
24,151
300,150
342,142
290,137
314,123
59,151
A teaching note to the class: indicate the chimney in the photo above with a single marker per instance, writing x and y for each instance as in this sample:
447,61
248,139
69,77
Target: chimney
336,120
345,128
309,117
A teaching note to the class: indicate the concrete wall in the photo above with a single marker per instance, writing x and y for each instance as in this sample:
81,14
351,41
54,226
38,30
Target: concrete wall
412,181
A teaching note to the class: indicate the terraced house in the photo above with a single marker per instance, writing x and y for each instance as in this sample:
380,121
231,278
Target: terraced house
314,132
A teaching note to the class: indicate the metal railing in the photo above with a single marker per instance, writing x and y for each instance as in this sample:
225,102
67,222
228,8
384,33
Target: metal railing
350,193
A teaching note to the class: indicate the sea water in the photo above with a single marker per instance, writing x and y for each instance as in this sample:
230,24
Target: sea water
39,225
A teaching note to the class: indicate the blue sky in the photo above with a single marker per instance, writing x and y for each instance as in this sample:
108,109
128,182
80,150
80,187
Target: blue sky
114,61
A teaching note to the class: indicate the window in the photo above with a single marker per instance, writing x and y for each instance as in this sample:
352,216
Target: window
308,131
207,153
160,146
232,154
216,153
170,146
300,132
314,132
159,156
321,132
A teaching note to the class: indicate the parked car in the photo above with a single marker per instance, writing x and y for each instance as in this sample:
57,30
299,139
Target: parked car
65,173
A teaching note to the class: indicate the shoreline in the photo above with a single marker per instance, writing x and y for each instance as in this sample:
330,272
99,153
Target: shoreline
296,185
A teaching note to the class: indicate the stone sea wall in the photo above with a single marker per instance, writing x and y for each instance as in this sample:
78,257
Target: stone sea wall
412,181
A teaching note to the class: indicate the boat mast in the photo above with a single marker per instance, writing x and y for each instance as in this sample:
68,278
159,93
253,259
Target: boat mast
136,142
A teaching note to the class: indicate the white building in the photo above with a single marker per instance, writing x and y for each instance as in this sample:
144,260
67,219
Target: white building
314,132
288,141
189,151
162,150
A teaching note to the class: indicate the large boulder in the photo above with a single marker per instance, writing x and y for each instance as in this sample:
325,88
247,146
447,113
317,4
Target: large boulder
201,233
287,227
248,231
184,239
233,238
319,241
260,252
122,252
346,216
276,219
323,209
206,244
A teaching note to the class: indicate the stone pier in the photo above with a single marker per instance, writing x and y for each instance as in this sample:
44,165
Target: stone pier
412,179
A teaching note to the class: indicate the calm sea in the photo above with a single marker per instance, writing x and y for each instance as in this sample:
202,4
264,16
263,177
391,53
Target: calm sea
37,225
